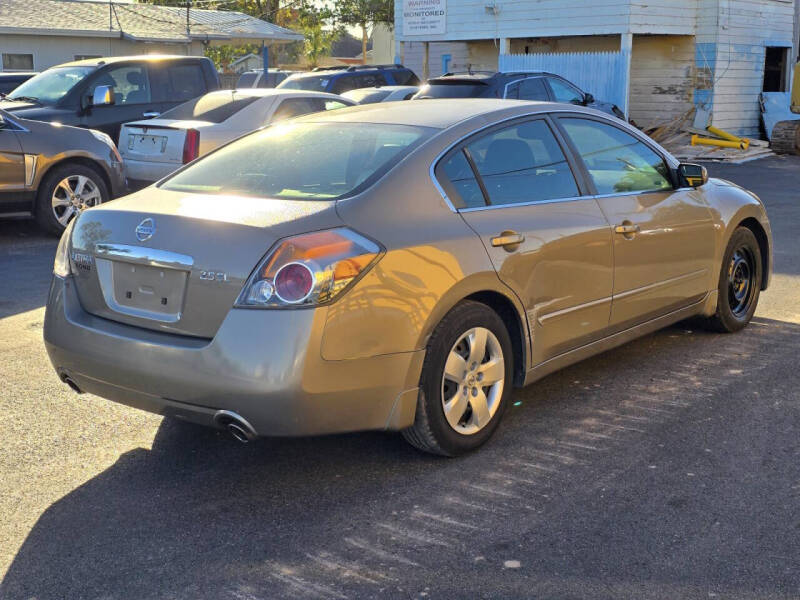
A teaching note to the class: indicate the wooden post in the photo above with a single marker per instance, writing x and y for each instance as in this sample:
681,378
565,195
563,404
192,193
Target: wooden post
425,65
626,46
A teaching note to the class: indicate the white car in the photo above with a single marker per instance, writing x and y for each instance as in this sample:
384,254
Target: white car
386,93
154,148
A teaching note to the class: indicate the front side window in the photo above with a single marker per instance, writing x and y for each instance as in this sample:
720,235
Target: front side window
309,83
294,107
564,92
129,82
523,163
52,85
617,162
294,160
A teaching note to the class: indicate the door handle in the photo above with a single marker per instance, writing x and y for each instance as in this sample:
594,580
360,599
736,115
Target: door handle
510,240
627,229
151,114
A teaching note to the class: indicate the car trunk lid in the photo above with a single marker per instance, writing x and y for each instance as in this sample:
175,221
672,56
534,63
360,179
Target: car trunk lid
156,140
176,262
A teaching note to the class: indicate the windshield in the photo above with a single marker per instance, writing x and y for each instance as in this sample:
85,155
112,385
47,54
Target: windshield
301,161
315,83
452,90
215,107
52,85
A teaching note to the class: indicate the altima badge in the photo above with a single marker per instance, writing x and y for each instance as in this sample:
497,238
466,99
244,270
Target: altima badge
145,229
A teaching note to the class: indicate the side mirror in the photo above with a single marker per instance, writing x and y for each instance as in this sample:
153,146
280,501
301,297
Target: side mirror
103,95
692,175
588,99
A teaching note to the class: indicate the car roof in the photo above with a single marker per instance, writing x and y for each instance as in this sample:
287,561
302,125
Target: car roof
486,75
384,88
437,113
108,60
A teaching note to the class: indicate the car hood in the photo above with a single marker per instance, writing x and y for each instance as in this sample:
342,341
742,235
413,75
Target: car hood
162,282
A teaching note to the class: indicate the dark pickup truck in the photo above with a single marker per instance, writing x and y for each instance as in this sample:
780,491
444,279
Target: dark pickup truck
104,93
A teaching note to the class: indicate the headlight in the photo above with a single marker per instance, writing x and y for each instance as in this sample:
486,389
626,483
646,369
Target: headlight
61,263
309,269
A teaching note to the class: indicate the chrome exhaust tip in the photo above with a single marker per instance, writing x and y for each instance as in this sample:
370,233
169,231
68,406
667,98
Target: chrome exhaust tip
236,425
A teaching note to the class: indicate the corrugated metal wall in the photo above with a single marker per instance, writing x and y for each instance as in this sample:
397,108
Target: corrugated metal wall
602,74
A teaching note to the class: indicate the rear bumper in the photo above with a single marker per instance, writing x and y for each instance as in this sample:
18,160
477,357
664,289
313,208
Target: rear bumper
264,365
148,171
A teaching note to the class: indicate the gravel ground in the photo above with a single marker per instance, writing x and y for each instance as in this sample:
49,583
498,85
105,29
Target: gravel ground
667,468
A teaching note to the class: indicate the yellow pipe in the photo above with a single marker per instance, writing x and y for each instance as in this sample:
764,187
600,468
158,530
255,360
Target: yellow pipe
720,133
741,145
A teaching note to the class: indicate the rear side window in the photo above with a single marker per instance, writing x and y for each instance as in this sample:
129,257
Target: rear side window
617,162
532,89
247,80
459,182
405,77
522,163
186,81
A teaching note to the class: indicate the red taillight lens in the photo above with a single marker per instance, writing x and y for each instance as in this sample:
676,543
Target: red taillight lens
191,145
309,269
293,283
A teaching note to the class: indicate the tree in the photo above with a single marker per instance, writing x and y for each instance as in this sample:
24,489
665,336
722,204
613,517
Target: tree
363,14
319,39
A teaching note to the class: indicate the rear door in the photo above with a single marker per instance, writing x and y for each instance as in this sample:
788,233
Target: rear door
515,186
663,235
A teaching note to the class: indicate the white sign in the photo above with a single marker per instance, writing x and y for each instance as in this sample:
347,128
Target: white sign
424,17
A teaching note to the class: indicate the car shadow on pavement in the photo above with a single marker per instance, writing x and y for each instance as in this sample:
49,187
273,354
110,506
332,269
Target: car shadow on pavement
26,266
587,482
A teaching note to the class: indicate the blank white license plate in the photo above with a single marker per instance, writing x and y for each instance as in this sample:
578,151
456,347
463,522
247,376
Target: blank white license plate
147,144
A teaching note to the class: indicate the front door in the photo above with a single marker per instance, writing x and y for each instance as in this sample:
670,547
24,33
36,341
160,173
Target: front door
663,236
12,169
515,188
132,98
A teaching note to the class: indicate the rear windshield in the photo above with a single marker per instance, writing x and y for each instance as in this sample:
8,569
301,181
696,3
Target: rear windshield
365,96
313,83
452,90
215,107
301,161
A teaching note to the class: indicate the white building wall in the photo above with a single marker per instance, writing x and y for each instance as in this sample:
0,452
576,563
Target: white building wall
746,28
55,49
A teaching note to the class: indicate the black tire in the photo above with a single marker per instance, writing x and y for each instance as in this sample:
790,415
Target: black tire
739,285
431,431
45,215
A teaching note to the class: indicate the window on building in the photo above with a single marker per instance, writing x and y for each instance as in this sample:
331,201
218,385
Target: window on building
17,62
775,69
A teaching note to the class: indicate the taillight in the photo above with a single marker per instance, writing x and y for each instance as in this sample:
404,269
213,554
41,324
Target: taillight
191,145
309,269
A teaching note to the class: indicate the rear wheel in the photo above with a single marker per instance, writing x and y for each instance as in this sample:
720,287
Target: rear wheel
739,283
465,383
64,192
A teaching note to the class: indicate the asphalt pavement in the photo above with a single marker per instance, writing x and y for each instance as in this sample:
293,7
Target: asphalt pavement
668,468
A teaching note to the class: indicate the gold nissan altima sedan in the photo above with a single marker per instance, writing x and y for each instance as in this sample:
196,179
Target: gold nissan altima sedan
398,266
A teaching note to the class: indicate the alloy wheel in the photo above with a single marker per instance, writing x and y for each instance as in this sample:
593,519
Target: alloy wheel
473,381
72,195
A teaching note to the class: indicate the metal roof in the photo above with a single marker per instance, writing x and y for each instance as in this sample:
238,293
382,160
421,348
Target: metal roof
138,22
